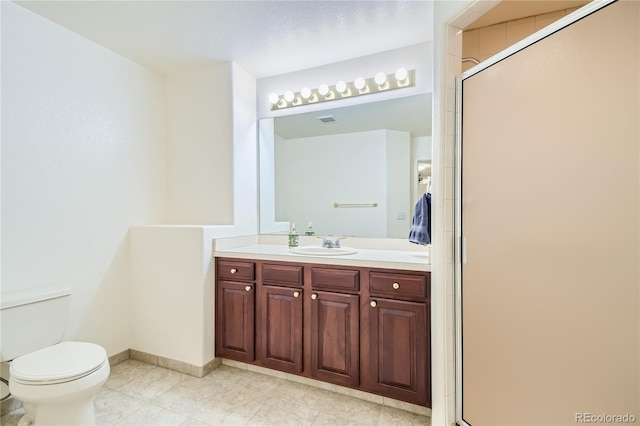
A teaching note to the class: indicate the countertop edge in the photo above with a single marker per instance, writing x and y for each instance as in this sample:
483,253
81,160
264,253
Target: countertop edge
342,261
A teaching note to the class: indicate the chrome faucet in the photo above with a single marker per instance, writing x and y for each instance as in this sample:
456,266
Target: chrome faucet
327,243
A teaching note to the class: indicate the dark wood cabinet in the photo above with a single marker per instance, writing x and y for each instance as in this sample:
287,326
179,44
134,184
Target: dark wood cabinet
235,309
400,336
280,328
279,316
365,328
335,337
399,356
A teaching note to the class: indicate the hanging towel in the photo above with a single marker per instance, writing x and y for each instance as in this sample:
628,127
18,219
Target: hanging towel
420,232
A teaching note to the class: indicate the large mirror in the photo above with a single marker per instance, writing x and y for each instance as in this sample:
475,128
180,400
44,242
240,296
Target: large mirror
351,171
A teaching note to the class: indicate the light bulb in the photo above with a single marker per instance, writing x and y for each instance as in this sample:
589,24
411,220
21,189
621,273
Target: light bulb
305,92
380,78
401,74
274,98
360,83
341,86
323,89
289,96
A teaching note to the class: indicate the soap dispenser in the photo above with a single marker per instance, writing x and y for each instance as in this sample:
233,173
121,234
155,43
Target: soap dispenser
293,236
309,232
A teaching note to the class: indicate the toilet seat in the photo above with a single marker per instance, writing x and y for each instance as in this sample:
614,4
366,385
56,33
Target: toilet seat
64,362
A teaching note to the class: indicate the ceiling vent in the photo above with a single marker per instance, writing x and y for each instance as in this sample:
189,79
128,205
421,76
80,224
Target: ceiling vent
327,118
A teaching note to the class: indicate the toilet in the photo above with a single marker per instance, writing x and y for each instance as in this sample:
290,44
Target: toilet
56,381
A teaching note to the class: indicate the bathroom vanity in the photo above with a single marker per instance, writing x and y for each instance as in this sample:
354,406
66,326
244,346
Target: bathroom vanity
332,320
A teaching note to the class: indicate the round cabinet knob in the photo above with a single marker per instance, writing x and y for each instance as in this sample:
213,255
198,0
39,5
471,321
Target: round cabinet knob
314,296
396,286
296,293
373,304
234,270
248,288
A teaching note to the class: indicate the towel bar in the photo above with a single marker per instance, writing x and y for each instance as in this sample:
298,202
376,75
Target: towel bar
336,205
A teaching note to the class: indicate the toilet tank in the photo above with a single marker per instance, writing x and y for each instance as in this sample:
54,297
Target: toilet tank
32,319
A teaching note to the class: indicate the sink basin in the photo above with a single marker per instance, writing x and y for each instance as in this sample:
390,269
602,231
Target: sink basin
322,251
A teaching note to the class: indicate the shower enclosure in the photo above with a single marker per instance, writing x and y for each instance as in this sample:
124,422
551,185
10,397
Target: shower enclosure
548,220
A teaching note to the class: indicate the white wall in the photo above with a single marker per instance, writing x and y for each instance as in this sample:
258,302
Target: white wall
172,265
200,157
83,158
171,285
212,154
245,154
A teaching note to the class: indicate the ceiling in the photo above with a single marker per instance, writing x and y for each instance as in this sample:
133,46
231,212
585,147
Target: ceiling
265,38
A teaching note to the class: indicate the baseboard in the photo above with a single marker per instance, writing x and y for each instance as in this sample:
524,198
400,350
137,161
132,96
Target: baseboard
119,357
168,363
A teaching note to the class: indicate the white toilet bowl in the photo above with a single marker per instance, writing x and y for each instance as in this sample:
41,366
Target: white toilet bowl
57,384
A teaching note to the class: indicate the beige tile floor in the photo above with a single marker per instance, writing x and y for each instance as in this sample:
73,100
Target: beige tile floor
143,394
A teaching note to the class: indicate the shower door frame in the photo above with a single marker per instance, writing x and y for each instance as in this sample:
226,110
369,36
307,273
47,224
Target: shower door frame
459,243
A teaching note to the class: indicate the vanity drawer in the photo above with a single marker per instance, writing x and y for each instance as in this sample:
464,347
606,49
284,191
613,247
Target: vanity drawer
335,279
236,270
394,285
286,275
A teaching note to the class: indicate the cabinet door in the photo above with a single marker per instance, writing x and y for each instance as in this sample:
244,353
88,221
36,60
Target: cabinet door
399,351
280,328
335,338
235,304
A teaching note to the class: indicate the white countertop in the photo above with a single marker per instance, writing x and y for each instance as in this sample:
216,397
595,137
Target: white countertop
391,259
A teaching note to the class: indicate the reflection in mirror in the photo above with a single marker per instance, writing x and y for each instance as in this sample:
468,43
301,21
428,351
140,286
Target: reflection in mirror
351,171
424,177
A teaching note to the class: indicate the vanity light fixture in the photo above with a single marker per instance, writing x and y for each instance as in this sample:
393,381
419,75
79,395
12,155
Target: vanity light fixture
401,75
325,92
380,79
361,85
289,96
343,89
305,93
399,79
276,101
292,98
